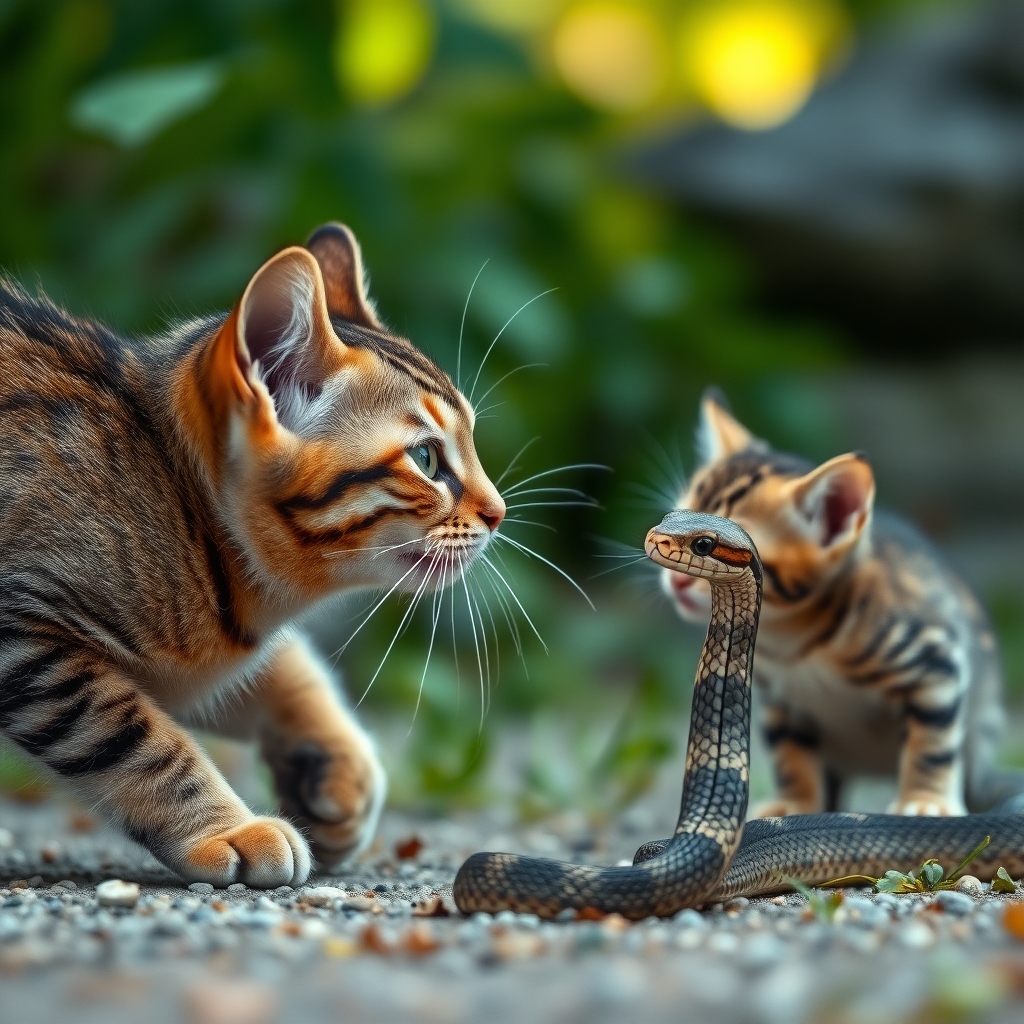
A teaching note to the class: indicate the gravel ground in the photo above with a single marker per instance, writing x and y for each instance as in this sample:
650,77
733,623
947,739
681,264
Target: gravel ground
369,944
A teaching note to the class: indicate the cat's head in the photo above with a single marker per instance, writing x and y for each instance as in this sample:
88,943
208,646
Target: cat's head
342,455
807,522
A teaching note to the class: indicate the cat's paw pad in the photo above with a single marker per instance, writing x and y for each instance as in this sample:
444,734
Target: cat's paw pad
335,795
928,805
782,808
263,853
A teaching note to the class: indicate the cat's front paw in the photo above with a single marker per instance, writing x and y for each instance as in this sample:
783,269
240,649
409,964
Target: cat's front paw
263,853
334,793
927,805
780,808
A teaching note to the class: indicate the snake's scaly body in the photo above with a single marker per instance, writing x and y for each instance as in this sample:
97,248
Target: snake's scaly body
705,859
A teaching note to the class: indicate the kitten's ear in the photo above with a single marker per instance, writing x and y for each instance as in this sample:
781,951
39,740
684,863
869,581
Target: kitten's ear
279,335
719,433
341,263
836,498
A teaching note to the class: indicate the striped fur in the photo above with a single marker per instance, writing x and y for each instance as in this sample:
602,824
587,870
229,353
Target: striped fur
873,656
169,505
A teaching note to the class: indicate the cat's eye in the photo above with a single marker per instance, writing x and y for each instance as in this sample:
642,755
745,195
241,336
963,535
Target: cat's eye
702,546
425,456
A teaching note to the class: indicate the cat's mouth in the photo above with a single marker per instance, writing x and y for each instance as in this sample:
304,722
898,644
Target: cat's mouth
683,589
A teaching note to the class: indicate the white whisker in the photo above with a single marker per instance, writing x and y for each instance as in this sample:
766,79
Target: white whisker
624,565
530,522
341,649
462,326
476,644
519,604
560,469
500,380
435,614
516,493
490,348
515,458
553,504
548,562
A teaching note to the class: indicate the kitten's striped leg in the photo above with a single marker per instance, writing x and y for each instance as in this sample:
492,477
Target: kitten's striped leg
93,727
326,770
931,772
799,773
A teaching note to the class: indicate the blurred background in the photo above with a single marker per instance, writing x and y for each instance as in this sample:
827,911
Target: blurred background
815,204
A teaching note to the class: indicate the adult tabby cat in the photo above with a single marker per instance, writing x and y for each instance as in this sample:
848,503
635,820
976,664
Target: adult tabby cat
169,505
874,657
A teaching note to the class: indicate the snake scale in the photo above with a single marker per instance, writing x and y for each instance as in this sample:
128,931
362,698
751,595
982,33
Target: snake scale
712,854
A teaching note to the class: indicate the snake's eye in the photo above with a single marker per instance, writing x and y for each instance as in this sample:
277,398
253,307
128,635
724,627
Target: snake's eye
702,546
425,456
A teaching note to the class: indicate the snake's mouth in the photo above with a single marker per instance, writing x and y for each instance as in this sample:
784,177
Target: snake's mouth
664,550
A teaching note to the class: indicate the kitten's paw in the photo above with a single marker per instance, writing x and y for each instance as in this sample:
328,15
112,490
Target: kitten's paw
335,794
783,808
263,853
927,805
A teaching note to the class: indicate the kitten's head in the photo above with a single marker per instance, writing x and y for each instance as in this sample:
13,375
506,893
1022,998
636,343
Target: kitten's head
806,521
343,456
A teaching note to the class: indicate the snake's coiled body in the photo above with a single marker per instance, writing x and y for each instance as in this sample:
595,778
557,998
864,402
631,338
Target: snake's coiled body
705,859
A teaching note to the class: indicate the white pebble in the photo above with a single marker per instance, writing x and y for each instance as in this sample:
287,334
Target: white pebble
324,895
970,885
6,839
916,935
115,893
723,942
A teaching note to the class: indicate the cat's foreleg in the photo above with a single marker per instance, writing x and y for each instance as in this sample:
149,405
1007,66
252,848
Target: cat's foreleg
326,770
931,769
96,729
797,764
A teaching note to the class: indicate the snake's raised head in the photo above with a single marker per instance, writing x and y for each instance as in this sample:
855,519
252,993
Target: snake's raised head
702,545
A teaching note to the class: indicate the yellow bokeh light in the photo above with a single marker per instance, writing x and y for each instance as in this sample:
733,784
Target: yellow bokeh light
755,63
613,55
383,48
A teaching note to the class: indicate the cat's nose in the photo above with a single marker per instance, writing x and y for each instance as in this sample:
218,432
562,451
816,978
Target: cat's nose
492,514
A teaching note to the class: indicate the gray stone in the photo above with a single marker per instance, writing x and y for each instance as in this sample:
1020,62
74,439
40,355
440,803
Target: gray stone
201,888
956,903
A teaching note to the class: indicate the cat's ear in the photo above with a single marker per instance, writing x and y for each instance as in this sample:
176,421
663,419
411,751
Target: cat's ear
719,433
336,250
279,338
836,499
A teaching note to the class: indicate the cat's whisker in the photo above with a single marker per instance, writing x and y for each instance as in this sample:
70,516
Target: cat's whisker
462,326
529,522
380,549
519,603
394,587
533,554
490,348
624,565
553,504
501,380
515,493
476,644
515,458
406,619
435,614
557,469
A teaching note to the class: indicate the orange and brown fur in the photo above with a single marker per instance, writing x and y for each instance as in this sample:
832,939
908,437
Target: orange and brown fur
873,656
169,505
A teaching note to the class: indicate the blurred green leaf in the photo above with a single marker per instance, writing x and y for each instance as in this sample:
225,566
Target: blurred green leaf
131,108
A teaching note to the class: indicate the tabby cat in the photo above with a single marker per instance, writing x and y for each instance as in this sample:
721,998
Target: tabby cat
169,505
873,656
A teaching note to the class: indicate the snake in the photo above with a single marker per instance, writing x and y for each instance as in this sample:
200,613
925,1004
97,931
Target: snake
715,855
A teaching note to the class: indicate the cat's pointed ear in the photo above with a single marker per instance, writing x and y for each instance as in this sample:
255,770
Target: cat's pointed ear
719,433
279,338
836,499
337,252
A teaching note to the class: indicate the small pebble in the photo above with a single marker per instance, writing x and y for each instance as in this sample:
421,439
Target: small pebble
6,839
236,887
201,888
956,903
115,893
761,951
49,852
737,903
65,883
724,942
970,885
916,935
325,895
690,918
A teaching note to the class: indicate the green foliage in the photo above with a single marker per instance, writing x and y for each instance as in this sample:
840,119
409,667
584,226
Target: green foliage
1003,882
822,906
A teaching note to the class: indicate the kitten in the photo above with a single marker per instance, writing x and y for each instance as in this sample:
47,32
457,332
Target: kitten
873,656
169,505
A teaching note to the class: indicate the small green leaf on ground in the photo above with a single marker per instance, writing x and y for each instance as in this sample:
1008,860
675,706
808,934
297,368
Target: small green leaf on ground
1003,882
